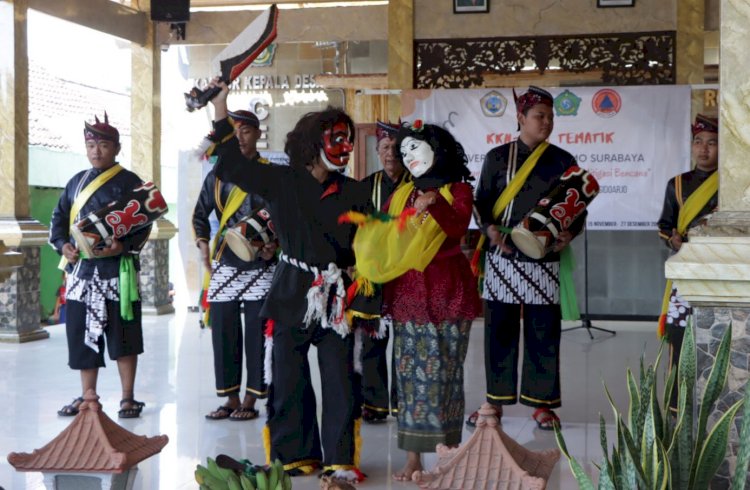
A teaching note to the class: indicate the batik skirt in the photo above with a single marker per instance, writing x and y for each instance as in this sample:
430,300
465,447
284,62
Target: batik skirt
429,362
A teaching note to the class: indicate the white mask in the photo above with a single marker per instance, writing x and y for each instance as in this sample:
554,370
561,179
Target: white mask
418,156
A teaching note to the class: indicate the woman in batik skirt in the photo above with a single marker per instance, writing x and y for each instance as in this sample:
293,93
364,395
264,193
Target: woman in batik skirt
431,310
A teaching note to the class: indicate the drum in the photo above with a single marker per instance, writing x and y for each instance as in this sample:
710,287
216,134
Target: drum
138,208
247,237
535,235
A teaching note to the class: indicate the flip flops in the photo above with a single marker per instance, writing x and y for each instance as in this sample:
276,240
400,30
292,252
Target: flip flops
243,413
472,420
133,412
545,418
70,410
221,413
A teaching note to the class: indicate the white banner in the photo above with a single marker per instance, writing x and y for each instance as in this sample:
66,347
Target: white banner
632,139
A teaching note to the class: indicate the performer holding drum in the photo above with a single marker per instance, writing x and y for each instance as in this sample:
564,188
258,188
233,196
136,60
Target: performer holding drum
102,286
514,178
239,263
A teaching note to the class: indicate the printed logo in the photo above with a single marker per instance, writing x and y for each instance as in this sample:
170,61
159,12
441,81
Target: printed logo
494,104
567,104
606,103
265,58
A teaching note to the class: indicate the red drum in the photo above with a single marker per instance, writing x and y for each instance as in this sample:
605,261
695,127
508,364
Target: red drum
139,208
247,237
535,235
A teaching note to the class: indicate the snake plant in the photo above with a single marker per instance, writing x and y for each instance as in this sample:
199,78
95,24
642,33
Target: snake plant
656,450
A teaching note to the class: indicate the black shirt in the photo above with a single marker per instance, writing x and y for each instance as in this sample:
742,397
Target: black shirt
114,189
673,202
214,196
305,214
543,179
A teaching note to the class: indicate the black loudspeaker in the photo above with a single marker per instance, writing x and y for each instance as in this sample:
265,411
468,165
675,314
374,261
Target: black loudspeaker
170,10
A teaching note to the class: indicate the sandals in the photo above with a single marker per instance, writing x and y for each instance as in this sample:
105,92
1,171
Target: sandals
243,413
545,418
70,410
133,412
472,420
221,413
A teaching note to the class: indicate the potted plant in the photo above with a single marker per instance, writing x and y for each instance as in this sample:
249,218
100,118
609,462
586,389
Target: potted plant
655,449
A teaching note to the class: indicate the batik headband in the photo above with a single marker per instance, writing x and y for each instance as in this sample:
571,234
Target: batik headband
101,130
532,97
705,123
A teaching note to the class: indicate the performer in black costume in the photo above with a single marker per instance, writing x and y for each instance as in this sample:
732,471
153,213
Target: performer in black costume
236,287
513,279
376,330
93,284
689,197
307,298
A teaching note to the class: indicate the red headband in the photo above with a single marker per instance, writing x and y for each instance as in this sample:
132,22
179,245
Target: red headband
705,123
386,130
101,130
532,97
244,118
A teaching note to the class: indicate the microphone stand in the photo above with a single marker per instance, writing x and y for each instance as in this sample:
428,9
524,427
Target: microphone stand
586,320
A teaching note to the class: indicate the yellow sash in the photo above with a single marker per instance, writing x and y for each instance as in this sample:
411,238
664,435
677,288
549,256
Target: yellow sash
377,188
693,205
234,201
384,252
514,186
82,198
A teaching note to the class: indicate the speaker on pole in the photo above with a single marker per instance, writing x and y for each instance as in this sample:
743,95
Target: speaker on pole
170,11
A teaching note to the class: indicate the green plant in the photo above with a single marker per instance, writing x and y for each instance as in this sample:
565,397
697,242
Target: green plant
654,449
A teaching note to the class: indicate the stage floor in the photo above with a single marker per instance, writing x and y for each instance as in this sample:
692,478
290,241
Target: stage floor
175,379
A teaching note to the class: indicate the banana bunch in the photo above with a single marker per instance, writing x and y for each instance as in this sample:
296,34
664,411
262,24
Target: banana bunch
214,477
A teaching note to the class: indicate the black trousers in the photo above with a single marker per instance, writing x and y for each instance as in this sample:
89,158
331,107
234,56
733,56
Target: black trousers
292,407
227,339
675,334
540,381
124,338
374,380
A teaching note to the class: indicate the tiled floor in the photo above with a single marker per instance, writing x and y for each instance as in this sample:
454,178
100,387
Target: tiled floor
175,380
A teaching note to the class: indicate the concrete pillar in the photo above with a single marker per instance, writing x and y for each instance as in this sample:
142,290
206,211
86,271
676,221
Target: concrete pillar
146,162
20,317
712,270
400,52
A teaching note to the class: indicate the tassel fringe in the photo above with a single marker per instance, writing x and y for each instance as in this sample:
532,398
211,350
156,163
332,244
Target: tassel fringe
358,351
268,353
360,219
386,322
317,300
662,329
267,443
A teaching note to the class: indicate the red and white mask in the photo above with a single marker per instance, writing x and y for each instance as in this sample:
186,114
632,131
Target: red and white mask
336,147
418,156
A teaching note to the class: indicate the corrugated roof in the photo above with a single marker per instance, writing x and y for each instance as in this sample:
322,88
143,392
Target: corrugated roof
490,459
58,108
92,443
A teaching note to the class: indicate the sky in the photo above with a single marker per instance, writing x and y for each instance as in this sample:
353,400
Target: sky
77,53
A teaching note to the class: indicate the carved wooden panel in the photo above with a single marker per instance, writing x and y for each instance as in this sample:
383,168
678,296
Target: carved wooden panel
623,59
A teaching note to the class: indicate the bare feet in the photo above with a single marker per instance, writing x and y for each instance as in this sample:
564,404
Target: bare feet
413,463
